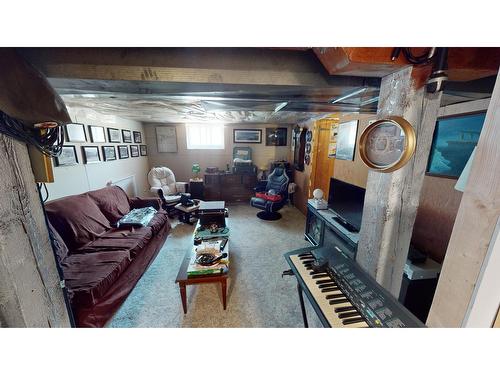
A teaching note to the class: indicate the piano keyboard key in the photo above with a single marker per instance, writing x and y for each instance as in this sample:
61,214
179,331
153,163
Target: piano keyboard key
321,287
349,314
335,296
344,309
323,281
328,285
353,321
320,276
330,289
337,301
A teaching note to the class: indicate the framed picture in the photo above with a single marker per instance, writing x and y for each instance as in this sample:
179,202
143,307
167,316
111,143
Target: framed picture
144,150
90,154
276,136
67,157
137,137
75,133
114,135
346,140
247,136
127,136
109,153
453,142
123,152
134,151
97,134
166,138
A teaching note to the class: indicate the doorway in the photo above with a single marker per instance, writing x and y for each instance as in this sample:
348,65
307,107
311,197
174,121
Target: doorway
322,166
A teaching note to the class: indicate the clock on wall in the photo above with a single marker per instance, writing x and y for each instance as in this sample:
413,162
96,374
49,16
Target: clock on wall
386,145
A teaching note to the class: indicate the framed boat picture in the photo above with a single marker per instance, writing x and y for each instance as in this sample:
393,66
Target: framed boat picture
97,134
247,135
127,136
123,152
134,151
137,137
109,153
68,157
453,142
90,154
75,133
114,135
144,150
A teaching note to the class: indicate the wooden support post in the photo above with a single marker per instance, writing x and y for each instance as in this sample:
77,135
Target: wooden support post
474,226
392,198
30,294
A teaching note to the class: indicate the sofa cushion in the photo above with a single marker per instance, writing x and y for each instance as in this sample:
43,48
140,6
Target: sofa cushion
60,247
132,240
89,276
112,201
77,219
158,221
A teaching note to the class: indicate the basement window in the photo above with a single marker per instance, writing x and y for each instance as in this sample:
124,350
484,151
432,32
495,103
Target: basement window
205,136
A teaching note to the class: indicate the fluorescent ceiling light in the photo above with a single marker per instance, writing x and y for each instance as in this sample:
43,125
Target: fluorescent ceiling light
280,106
369,101
347,96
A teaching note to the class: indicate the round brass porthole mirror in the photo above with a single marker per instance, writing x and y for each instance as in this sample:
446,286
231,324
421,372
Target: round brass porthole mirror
386,145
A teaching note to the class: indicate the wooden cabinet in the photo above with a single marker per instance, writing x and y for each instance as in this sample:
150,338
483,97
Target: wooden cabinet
229,187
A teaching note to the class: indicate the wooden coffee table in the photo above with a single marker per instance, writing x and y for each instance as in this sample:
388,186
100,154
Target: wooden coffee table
183,280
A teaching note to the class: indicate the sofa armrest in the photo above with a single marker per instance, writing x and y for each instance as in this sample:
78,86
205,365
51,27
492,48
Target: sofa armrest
181,187
145,202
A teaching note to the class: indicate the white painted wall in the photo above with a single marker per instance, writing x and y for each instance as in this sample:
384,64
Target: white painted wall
80,178
182,161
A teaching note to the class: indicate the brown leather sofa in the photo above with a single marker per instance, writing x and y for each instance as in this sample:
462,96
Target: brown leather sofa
101,264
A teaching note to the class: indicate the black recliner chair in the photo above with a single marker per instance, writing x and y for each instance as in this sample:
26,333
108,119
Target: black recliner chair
278,182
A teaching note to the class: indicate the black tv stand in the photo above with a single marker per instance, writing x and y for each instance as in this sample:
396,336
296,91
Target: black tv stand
345,224
323,229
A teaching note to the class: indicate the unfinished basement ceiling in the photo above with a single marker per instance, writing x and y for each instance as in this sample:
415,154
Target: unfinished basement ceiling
230,85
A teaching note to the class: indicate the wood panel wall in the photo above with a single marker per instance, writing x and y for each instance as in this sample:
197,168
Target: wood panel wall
354,172
436,214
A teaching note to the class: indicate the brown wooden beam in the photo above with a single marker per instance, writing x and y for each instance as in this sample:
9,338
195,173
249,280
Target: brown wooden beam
464,64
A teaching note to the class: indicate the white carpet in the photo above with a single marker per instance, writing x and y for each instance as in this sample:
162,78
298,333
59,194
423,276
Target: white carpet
257,294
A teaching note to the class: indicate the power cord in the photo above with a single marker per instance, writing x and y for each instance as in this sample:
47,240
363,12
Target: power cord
39,185
48,137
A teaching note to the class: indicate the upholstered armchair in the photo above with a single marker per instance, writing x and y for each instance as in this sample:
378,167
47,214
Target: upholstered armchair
162,182
277,184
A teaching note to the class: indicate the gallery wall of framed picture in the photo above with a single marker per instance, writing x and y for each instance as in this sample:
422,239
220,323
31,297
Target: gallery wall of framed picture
80,138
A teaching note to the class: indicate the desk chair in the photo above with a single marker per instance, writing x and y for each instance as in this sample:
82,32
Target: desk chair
277,181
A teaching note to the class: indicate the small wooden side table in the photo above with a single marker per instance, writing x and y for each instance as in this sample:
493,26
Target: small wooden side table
183,280
196,188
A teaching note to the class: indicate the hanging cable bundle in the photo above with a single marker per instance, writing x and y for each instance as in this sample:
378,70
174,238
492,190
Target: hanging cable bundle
48,137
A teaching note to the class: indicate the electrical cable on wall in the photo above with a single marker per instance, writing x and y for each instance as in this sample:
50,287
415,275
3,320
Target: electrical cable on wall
438,77
48,137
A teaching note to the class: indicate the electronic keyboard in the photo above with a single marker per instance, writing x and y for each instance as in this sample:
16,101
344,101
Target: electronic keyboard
342,293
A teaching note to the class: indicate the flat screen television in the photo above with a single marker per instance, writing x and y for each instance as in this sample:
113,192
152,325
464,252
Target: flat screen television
347,202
